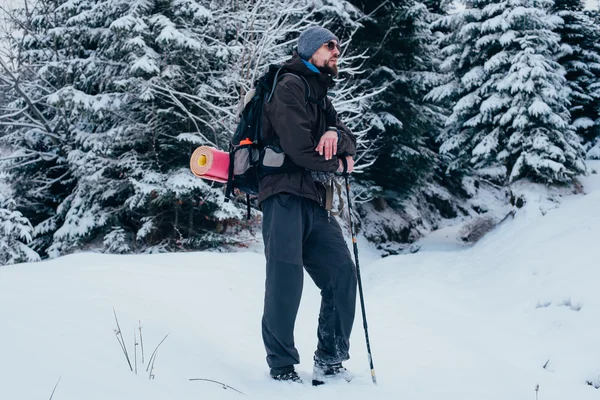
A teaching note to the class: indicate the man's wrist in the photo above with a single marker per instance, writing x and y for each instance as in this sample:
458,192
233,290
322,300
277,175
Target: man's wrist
336,130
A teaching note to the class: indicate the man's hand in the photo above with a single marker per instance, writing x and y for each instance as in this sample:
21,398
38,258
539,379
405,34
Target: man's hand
349,161
328,144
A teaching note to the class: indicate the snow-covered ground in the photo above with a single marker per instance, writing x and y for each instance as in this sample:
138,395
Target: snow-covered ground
452,323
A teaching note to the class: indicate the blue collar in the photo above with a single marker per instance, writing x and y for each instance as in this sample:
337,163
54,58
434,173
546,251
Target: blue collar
311,66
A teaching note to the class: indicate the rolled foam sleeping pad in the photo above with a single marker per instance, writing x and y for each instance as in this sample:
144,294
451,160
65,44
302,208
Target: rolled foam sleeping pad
210,163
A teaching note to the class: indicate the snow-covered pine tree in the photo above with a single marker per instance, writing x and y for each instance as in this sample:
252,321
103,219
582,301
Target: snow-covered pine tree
35,139
396,37
593,147
15,229
580,56
400,46
510,114
170,65
107,69
409,175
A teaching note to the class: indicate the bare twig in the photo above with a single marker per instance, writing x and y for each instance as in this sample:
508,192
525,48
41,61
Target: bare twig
372,12
47,184
141,340
224,385
30,103
135,344
22,164
121,341
151,365
53,390
153,358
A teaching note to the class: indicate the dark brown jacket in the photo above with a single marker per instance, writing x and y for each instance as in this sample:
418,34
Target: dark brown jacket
298,126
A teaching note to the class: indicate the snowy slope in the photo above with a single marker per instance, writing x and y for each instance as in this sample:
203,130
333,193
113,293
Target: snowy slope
470,323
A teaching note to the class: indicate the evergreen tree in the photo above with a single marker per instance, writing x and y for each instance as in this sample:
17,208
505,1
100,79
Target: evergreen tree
402,59
35,136
409,175
15,230
109,69
439,7
510,117
594,145
580,56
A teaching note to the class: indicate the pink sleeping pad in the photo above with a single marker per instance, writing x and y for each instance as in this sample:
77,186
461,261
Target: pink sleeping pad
209,163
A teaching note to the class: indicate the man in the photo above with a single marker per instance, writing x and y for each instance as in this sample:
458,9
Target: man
297,229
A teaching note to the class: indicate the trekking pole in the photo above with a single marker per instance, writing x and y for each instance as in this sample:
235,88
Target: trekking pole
360,291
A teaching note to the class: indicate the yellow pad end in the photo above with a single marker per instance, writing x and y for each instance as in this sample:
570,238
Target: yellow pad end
202,160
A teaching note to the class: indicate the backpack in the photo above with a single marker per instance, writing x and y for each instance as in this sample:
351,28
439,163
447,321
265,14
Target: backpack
251,156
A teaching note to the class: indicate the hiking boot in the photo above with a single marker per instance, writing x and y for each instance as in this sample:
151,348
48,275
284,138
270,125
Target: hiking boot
323,373
287,374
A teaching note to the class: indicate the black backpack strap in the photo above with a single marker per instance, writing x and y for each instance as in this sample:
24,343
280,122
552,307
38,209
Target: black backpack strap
307,97
275,80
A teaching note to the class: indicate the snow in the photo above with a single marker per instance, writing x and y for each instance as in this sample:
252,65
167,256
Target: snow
467,102
592,5
145,64
539,107
474,77
450,321
169,32
492,172
186,6
486,146
583,123
594,152
494,103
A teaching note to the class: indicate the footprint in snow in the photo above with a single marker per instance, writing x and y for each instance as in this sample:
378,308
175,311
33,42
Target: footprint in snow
566,303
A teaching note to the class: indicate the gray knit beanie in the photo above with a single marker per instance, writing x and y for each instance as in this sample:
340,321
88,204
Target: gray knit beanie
311,39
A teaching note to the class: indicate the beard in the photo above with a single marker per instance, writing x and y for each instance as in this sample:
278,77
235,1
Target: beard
329,69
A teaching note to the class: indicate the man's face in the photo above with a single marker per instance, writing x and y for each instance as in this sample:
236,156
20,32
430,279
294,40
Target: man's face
326,58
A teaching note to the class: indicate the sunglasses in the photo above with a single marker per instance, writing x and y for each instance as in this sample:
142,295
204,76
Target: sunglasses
331,45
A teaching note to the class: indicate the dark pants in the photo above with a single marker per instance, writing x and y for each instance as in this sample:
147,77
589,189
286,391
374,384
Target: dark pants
298,233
